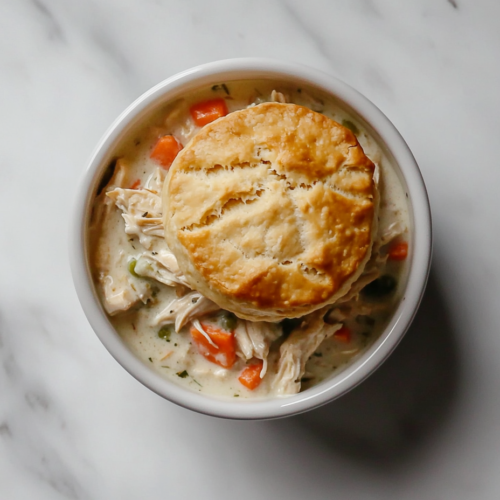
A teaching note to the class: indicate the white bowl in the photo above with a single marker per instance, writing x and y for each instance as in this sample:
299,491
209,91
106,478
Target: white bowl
385,134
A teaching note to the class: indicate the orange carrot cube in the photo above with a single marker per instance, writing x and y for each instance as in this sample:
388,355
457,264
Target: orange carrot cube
165,150
224,351
343,335
208,111
250,376
398,251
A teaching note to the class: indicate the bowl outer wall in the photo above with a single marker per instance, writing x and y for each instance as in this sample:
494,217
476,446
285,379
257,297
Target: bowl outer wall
421,248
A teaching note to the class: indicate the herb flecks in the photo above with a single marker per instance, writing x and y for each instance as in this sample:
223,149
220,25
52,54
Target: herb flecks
222,86
164,332
182,374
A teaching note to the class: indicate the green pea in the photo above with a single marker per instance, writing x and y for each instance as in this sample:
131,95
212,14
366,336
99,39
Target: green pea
164,332
380,287
228,321
348,124
131,268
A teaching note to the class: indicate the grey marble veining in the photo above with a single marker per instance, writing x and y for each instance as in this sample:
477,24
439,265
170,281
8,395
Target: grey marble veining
75,425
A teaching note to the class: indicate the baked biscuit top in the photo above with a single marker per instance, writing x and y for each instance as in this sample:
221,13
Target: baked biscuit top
270,211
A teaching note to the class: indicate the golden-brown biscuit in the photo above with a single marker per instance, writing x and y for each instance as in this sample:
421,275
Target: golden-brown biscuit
270,211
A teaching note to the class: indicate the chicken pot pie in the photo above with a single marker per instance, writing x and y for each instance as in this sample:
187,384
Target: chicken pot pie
249,239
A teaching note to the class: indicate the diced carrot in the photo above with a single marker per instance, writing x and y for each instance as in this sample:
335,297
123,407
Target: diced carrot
224,354
343,335
165,150
398,251
136,184
250,376
207,111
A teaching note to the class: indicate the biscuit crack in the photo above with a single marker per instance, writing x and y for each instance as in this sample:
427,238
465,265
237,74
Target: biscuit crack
229,205
289,184
216,168
311,270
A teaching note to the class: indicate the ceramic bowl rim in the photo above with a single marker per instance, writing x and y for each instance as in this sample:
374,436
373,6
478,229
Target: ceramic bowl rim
246,68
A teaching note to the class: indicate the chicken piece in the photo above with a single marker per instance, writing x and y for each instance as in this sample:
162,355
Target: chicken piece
389,233
253,339
141,209
278,97
298,348
142,213
161,266
120,290
182,310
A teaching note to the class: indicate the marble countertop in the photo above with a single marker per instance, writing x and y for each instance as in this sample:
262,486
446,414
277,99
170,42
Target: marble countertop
75,425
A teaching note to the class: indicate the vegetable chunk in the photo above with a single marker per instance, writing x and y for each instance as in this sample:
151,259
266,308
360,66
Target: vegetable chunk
250,376
343,335
398,251
208,111
220,349
165,151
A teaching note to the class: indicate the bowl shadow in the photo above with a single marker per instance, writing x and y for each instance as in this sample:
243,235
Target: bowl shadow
404,403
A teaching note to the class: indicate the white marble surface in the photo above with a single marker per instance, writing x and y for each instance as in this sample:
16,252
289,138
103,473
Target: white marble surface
75,425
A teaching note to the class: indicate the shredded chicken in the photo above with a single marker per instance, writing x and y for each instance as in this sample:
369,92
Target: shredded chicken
183,310
141,209
253,339
120,290
389,233
296,350
161,266
278,97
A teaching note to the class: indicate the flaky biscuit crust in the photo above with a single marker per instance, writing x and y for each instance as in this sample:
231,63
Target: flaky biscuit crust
270,211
